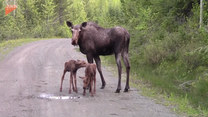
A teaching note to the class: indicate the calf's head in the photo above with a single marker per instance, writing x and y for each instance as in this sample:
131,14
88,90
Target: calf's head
81,63
86,82
76,31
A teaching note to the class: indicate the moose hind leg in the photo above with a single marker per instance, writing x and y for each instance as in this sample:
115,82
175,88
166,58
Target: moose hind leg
127,65
118,62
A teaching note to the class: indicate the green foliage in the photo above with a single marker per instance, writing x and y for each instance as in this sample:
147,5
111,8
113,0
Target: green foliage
154,54
198,57
199,90
62,31
167,48
48,10
77,12
47,18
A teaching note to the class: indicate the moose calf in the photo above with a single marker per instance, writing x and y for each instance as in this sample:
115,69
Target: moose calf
90,77
72,66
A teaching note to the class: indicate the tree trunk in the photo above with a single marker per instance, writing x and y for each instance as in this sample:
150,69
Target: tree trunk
61,12
201,10
14,10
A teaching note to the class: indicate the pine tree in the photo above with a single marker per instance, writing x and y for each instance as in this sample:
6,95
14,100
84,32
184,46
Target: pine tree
60,10
76,12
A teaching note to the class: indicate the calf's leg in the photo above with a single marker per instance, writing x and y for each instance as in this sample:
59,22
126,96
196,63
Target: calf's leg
94,85
90,89
75,83
91,83
90,60
62,78
84,91
70,83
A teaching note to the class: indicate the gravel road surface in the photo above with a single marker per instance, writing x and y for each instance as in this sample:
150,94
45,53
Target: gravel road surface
30,79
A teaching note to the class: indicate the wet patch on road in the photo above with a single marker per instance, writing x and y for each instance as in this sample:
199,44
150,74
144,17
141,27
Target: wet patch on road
56,97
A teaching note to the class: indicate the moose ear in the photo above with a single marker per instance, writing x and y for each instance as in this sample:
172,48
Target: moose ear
84,24
69,24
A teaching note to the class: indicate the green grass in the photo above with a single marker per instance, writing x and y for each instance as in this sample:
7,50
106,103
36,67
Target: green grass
162,85
8,46
179,104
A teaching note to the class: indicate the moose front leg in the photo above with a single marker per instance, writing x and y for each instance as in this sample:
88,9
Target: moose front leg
98,63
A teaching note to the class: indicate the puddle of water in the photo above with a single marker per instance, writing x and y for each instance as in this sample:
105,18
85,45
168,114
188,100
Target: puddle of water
54,97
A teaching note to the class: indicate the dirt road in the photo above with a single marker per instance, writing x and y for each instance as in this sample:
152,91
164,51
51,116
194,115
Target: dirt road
30,80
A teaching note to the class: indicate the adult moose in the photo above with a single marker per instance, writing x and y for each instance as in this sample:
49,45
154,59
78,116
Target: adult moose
94,41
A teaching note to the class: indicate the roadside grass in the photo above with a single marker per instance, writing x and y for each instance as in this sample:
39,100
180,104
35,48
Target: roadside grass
161,90
8,46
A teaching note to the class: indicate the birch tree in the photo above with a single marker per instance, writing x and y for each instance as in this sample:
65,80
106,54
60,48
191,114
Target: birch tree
201,14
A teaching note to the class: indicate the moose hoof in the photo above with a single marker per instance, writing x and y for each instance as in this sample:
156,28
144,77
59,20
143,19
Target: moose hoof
102,87
117,91
126,90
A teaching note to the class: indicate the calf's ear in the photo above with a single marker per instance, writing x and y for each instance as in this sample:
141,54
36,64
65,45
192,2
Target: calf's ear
84,24
69,24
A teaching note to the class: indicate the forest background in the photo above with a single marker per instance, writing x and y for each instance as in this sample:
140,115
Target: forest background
168,51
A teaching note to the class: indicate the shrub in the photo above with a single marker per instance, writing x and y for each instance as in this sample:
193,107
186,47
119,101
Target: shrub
154,54
197,57
200,91
62,31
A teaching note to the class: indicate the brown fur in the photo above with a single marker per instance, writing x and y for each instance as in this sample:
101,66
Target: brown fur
90,78
72,66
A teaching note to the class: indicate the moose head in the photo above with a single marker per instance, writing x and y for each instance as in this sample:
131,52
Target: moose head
76,31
